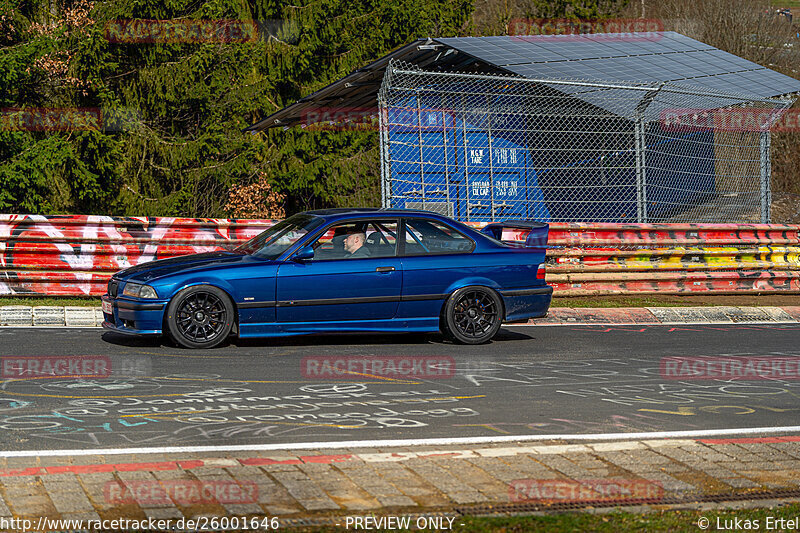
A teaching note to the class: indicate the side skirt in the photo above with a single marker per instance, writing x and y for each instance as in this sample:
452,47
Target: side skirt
418,325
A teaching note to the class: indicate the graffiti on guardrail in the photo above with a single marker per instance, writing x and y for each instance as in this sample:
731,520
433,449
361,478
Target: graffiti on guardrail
75,255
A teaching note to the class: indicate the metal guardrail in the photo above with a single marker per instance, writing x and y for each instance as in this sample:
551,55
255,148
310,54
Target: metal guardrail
75,255
587,259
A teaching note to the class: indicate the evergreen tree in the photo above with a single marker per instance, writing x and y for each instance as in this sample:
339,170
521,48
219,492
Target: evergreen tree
95,122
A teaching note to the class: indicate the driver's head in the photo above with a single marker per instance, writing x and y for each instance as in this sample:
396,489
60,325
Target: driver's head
354,241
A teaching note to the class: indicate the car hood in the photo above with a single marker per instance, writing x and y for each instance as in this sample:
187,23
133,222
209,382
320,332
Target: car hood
182,264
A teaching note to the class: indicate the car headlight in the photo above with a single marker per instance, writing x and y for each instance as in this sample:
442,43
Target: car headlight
138,290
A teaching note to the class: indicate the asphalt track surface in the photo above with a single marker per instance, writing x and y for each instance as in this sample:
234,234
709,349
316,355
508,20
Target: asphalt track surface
531,380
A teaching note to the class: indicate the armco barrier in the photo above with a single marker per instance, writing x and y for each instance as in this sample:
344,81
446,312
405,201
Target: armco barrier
585,258
76,254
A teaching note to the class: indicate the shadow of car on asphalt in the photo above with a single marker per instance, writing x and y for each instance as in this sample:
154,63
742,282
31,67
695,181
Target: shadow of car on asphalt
154,341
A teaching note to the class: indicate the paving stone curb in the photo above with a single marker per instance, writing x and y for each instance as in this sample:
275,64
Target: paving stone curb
669,315
395,481
51,316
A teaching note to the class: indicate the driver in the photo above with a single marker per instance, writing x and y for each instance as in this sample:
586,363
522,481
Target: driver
354,245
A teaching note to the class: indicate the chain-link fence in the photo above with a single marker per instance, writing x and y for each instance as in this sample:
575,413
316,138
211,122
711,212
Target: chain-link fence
485,147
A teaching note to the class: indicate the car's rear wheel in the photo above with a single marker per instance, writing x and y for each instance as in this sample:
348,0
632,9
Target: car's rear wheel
200,317
472,315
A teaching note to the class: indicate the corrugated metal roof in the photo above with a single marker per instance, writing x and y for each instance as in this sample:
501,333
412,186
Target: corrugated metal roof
634,57
359,89
649,57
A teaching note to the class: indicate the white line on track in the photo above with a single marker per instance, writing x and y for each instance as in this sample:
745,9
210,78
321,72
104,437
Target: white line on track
406,442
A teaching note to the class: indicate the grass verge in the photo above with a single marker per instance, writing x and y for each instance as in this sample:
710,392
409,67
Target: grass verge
60,302
678,300
785,3
623,522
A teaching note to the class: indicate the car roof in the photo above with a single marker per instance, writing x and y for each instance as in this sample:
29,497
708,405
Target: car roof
346,212
339,214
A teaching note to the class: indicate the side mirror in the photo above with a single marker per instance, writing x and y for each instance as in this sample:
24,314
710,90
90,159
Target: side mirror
305,254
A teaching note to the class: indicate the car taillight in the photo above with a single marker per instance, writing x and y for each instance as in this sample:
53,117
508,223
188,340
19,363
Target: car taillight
540,272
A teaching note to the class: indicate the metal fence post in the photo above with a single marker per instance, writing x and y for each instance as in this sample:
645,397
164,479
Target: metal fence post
421,154
491,158
446,157
467,196
641,153
383,137
641,176
383,147
766,173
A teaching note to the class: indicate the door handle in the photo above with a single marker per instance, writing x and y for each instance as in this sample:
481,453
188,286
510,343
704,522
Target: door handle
384,269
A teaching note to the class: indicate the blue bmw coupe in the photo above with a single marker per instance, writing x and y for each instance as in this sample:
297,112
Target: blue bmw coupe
341,270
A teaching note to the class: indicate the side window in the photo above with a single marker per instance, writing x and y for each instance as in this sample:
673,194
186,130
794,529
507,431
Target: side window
358,240
431,237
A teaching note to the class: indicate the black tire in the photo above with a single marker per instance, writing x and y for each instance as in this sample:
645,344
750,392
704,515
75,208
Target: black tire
200,316
472,315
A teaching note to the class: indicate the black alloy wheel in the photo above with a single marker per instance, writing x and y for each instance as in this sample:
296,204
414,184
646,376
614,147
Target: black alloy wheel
200,317
473,315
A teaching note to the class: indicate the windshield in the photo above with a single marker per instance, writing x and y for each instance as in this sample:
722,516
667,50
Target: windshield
271,243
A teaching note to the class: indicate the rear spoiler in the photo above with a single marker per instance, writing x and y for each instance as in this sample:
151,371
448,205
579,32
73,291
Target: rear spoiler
527,233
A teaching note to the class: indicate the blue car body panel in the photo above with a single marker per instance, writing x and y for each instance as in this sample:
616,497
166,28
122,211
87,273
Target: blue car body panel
391,294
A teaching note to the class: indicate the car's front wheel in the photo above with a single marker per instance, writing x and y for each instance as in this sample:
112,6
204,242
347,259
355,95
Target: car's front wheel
200,316
472,315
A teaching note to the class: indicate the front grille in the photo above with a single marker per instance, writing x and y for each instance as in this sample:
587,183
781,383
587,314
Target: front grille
113,285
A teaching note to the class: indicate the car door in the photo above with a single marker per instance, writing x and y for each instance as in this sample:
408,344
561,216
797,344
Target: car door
336,285
435,256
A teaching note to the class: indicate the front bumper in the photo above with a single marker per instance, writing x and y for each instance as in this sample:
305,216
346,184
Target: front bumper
133,316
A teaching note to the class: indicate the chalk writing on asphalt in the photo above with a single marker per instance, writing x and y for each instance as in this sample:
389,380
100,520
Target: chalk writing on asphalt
622,395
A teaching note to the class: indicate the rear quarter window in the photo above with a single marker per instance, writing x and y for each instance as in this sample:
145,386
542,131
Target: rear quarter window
430,237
